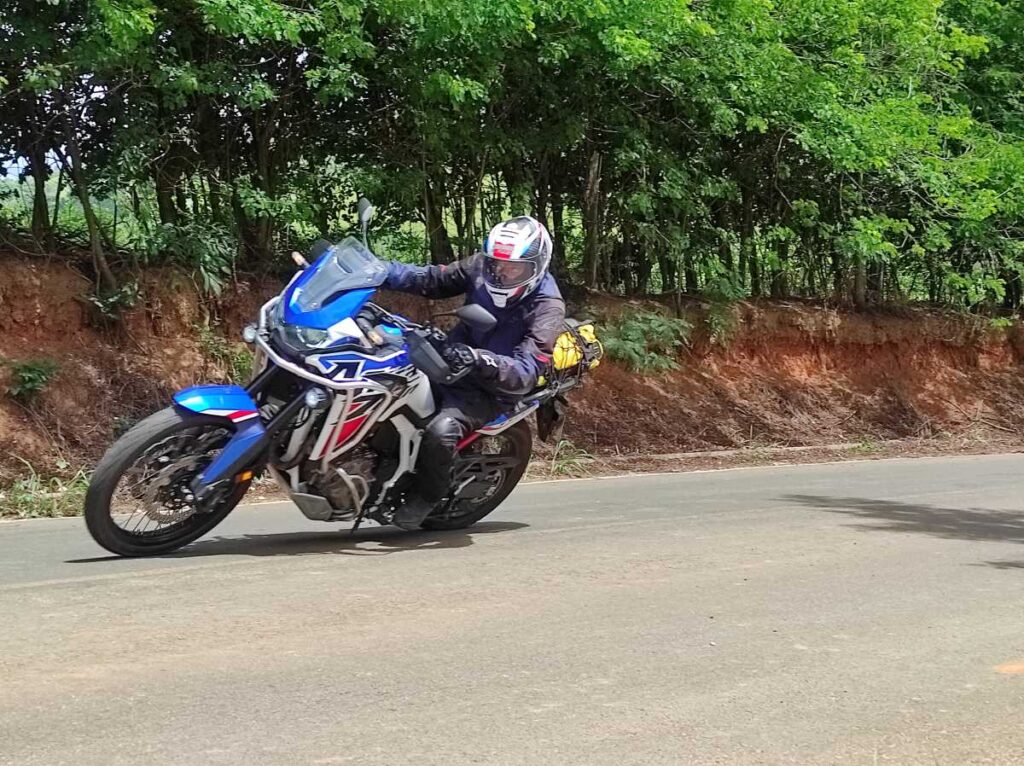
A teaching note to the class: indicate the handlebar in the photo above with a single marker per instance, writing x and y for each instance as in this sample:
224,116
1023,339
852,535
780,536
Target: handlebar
425,345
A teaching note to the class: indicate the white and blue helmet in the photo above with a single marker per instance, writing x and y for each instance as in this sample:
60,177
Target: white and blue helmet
517,255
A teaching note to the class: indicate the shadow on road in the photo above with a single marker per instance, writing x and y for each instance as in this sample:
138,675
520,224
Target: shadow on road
369,542
979,524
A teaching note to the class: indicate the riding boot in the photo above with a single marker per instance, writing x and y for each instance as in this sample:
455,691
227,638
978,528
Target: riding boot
433,470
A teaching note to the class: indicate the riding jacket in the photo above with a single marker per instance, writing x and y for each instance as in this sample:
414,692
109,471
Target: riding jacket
519,347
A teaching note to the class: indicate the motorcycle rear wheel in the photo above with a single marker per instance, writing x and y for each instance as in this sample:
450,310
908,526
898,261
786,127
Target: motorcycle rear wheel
168,449
518,444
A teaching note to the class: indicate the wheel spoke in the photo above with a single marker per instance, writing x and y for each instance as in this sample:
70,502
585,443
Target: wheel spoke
152,497
480,474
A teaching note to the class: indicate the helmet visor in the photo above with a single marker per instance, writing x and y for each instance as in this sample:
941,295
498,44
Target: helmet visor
506,274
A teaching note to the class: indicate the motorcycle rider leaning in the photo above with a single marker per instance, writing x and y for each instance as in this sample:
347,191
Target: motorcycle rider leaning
510,278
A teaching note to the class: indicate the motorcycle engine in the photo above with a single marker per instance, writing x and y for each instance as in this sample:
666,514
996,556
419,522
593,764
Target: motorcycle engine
347,483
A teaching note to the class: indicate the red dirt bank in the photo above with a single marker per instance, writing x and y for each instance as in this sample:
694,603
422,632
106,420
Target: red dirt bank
790,374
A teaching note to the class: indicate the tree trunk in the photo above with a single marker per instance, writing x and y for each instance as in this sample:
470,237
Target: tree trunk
860,282
667,266
1012,296
780,283
690,272
934,281
517,182
838,276
441,250
41,232
592,220
876,279
217,194
164,182
812,265
747,240
74,162
643,274
780,274
557,234
56,201
196,186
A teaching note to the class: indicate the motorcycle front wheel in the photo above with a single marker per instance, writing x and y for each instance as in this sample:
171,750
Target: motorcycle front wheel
139,501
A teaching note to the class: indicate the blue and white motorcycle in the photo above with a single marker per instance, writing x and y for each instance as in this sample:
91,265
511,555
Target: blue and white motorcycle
342,392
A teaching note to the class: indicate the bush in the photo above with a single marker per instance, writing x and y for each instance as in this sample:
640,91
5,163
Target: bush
206,249
646,342
28,379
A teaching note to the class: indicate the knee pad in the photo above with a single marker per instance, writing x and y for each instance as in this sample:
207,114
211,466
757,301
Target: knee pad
445,431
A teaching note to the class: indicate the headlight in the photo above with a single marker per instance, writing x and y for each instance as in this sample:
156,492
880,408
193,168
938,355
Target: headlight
310,336
301,338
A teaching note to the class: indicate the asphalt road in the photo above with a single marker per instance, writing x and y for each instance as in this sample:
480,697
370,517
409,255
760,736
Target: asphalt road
861,613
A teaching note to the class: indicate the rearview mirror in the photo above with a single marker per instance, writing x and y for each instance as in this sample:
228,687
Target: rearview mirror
477,317
365,209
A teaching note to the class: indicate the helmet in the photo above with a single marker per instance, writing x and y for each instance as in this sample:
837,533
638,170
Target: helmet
517,254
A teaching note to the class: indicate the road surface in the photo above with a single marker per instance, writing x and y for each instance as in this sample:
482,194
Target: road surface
861,613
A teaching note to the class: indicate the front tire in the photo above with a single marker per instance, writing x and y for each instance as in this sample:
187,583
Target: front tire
161,493
517,444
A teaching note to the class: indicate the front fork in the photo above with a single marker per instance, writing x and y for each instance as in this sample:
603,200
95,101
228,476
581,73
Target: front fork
252,439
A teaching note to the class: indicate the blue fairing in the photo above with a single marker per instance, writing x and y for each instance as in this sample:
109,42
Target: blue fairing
248,434
216,400
344,306
335,287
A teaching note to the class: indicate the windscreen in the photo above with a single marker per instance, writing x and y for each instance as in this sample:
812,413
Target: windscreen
346,266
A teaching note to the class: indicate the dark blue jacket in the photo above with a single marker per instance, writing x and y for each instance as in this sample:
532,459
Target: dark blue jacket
520,346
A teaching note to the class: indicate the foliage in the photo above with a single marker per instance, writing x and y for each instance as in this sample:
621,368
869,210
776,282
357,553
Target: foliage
646,342
33,496
234,358
205,249
28,379
721,320
863,151
110,304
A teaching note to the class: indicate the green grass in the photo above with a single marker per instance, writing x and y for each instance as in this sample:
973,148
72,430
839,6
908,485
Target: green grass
35,496
569,460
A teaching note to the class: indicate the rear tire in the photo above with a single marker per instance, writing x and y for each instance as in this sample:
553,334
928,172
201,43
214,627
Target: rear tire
465,513
121,457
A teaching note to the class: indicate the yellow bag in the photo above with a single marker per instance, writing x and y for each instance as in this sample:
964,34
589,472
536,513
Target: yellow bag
577,346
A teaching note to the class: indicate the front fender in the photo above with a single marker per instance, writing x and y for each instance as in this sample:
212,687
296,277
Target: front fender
231,402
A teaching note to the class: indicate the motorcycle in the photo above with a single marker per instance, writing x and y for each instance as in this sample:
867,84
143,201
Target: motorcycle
335,412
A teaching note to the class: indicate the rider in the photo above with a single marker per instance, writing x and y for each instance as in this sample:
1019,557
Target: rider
510,278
